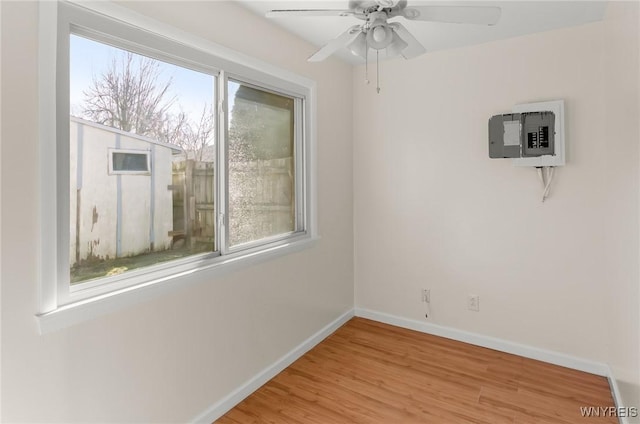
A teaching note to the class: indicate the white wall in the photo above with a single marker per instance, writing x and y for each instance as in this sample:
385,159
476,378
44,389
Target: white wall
0,216
621,93
168,359
433,211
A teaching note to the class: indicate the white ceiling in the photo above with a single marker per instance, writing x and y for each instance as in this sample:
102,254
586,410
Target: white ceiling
518,18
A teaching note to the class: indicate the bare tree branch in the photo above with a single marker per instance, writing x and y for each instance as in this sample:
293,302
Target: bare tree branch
130,95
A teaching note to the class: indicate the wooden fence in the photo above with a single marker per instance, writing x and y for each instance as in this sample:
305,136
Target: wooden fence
193,202
260,201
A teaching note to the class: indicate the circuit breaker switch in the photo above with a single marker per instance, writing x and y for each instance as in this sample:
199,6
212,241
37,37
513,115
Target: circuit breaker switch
539,127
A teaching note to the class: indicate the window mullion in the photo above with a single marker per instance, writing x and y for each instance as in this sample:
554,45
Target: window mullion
222,166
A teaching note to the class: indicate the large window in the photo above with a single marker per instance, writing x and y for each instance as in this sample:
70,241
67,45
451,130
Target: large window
169,158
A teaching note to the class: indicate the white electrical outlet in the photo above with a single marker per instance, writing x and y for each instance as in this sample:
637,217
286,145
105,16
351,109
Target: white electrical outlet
473,302
426,295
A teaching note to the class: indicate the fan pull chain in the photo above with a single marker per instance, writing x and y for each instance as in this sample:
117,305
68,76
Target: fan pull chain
366,61
378,71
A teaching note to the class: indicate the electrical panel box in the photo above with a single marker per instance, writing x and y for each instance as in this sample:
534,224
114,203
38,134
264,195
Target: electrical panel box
532,134
518,135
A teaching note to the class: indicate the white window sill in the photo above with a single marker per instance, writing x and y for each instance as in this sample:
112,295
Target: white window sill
80,311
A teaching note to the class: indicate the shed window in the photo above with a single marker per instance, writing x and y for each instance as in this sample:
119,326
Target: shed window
122,162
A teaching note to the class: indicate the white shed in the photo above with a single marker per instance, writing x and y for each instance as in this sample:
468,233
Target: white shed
121,204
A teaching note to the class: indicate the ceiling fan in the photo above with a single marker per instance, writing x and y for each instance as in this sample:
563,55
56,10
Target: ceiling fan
379,34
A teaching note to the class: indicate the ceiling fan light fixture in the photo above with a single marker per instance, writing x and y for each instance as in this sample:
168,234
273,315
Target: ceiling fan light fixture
359,46
397,46
379,36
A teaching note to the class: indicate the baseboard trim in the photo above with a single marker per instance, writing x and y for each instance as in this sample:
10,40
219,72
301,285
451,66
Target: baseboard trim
526,351
221,407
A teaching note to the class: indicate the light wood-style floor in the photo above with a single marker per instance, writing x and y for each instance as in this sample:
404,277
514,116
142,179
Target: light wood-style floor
367,372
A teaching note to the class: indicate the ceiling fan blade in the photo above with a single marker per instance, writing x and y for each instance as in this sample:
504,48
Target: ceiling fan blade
308,12
478,15
414,47
336,44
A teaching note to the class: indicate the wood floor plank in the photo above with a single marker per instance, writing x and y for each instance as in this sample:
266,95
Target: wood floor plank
372,373
403,381
450,368
417,401
540,407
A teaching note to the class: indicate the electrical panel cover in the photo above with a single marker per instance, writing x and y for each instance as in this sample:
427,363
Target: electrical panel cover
517,135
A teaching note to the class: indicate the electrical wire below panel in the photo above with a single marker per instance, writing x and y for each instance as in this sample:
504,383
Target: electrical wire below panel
546,177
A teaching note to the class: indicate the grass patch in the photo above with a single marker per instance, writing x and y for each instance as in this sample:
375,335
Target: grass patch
89,270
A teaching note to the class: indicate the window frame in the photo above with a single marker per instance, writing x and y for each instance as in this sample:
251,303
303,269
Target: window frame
61,304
